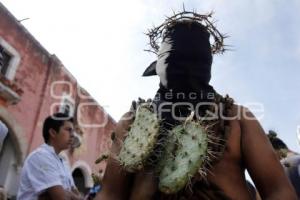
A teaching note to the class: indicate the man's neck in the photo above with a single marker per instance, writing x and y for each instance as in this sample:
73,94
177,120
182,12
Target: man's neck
56,149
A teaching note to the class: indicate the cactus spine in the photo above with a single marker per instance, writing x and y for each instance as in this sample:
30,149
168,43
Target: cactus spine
185,150
141,139
185,154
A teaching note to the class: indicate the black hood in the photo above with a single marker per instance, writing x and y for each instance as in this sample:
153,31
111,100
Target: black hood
184,58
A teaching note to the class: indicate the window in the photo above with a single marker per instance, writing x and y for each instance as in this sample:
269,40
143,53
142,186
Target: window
4,60
9,59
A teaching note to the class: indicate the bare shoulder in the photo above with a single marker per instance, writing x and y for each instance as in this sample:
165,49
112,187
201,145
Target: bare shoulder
257,154
254,142
243,119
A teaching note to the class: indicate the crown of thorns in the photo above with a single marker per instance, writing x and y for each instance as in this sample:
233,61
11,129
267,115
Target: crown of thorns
156,33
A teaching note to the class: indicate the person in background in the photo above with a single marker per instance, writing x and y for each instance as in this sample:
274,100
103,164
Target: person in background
288,158
45,174
3,133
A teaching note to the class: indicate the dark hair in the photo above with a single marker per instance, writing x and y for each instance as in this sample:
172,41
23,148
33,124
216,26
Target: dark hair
54,121
275,141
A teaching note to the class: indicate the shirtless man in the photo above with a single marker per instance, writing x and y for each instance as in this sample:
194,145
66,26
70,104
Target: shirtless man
185,69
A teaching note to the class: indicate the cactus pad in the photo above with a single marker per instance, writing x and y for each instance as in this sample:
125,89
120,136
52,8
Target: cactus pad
177,155
141,139
185,154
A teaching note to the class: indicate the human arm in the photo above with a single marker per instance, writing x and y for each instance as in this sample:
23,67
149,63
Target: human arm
58,193
261,161
116,181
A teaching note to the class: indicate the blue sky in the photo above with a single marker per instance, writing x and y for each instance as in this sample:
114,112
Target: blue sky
101,43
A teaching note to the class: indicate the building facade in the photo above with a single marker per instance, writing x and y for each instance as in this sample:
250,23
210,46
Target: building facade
34,84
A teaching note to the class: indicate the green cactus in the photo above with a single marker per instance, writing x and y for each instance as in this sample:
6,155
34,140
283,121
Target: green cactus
184,149
141,139
185,154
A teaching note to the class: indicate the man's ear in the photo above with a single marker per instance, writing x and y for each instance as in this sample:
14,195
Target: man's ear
52,132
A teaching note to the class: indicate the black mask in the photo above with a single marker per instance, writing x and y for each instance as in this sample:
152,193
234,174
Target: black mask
184,58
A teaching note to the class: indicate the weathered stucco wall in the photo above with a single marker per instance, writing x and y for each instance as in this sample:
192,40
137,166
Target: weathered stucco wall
45,82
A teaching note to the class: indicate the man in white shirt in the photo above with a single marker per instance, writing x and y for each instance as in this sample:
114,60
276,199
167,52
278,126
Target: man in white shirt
3,133
45,175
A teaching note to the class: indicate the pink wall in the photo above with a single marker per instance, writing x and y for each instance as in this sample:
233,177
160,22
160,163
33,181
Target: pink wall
30,74
36,74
